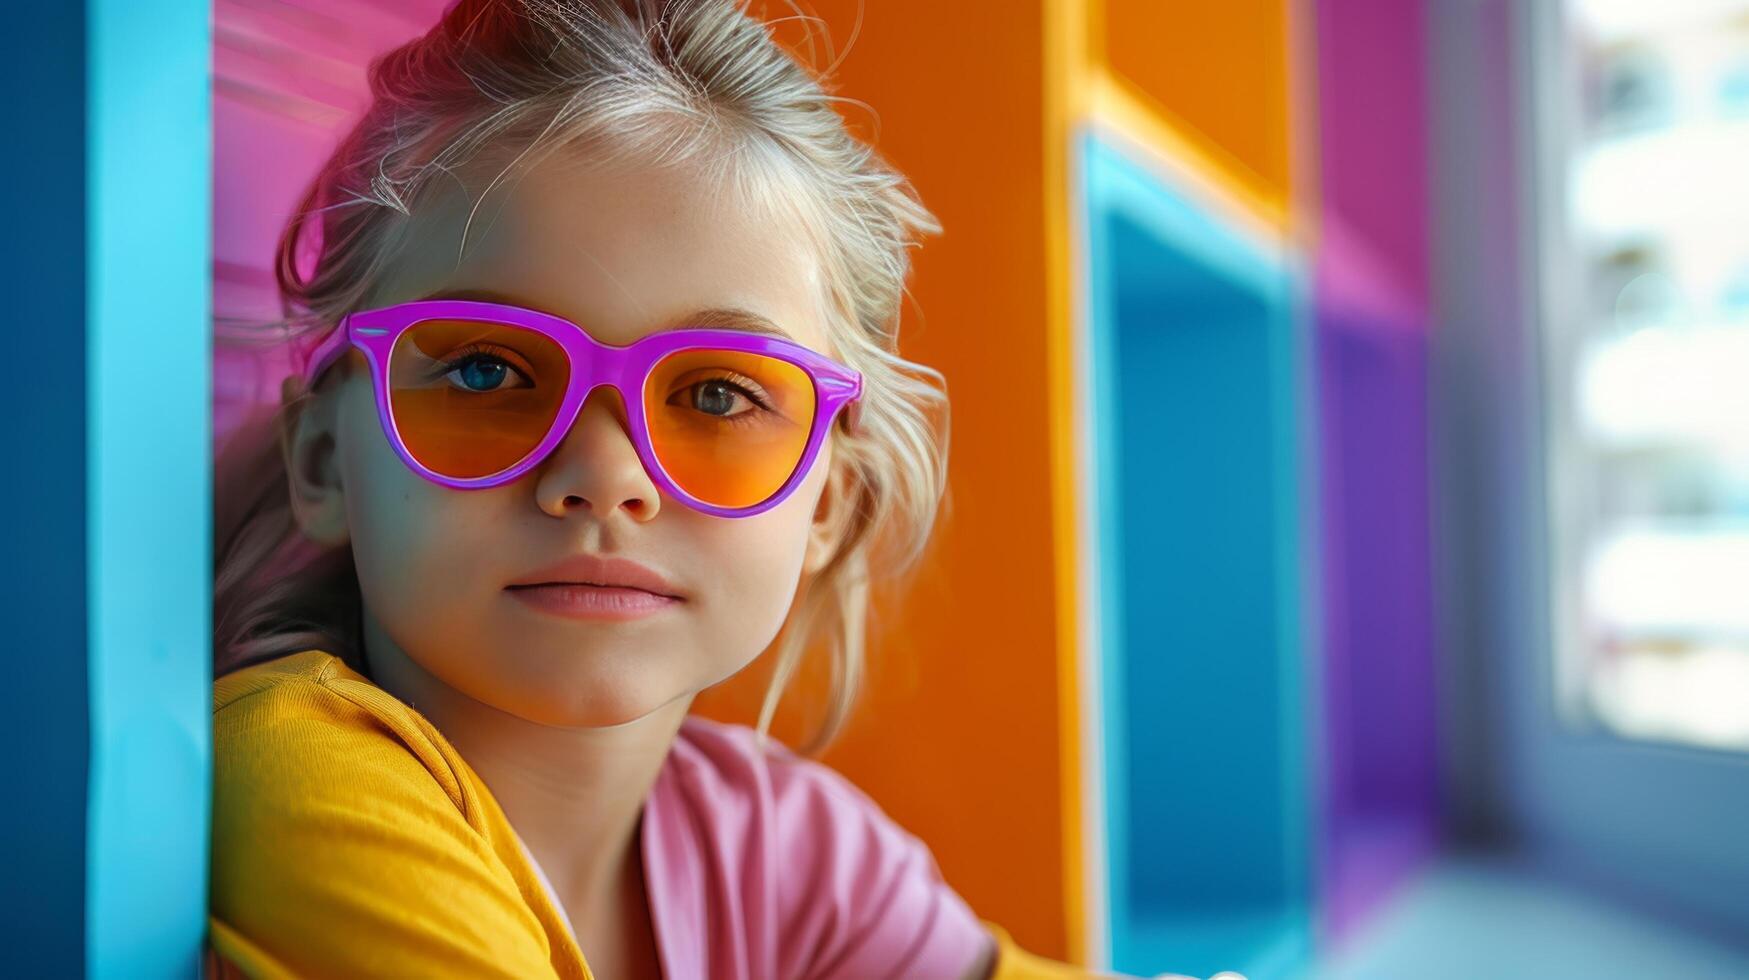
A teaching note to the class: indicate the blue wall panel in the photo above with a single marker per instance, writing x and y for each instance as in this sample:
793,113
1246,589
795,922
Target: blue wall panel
1198,421
42,536
148,500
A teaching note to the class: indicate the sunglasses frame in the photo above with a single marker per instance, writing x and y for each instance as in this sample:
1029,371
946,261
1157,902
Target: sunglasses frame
375,333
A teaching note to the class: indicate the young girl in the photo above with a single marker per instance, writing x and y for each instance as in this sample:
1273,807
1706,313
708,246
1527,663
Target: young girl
600,393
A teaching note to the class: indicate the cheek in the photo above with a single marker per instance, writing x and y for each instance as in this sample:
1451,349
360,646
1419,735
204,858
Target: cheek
412,541
749,567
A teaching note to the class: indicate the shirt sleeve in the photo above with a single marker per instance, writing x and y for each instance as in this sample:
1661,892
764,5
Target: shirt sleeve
337,853
864,897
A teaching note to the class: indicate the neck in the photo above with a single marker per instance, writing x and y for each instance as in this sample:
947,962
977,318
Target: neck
574,795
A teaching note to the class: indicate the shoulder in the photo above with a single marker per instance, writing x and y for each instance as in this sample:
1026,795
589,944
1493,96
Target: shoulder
308,686
858,894
336,808
292,727
310,666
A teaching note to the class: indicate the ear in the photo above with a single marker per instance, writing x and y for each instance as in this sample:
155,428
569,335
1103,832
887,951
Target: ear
308,443
826,531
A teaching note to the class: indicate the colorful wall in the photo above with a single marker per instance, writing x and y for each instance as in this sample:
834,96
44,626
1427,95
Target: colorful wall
1160,699
106,547
1207,285
1164,697
1283,293
1381,787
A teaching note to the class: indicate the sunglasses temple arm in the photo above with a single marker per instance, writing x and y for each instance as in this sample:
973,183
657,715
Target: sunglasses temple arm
325,353
853,408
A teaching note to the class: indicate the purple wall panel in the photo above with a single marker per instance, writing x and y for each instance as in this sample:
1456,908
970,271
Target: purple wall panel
1380,771
1355,279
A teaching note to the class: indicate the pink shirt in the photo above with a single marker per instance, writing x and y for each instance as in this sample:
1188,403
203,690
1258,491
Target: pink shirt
766,864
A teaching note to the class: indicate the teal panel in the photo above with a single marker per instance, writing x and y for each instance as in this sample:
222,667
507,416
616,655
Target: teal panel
43,703
148,193
1198,415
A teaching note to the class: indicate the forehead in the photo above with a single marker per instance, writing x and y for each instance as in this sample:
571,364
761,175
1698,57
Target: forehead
622,250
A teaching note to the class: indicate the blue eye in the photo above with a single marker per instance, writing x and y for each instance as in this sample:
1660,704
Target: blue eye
482,373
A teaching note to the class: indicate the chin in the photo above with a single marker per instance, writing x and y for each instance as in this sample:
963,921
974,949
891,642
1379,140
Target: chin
592,698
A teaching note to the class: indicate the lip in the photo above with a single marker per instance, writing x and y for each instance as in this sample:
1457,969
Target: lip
593,587
605,574
593,602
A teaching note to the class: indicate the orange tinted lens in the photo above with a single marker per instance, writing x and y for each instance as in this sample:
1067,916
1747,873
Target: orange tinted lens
471,399
728,426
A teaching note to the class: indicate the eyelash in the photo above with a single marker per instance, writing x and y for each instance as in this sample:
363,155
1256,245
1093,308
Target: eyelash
730,379
475,352
740,383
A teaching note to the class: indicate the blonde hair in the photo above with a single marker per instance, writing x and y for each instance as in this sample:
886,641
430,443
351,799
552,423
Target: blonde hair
646,78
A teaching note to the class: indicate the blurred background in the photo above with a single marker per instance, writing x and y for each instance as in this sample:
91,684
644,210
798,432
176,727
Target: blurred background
1347,573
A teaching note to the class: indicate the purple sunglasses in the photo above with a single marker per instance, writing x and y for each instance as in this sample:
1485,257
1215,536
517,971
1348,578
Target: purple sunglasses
469,438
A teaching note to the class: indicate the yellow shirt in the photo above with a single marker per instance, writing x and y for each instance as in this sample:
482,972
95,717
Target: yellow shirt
350,839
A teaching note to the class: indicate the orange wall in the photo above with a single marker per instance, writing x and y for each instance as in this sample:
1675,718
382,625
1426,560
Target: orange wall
1219,70
957,736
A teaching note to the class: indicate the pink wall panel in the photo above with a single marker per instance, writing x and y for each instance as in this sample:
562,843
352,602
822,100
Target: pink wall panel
288,79
1372,160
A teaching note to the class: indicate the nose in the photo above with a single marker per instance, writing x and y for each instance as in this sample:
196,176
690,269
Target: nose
596,467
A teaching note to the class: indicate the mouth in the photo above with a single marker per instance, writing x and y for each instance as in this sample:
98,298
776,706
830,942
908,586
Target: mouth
608,586
587,600
602,573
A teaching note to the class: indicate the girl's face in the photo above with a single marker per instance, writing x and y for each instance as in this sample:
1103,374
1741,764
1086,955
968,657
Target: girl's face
622,253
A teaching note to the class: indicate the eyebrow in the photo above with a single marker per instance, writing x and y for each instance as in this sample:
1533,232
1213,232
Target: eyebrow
727,317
